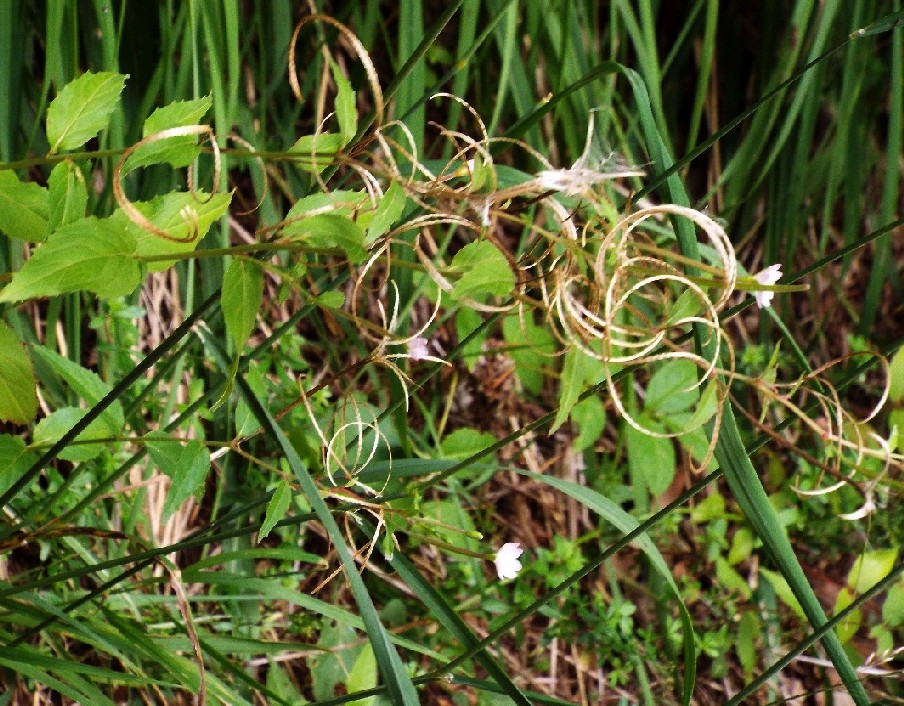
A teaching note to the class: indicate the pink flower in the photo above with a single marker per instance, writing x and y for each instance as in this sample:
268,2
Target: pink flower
767,276
507,563
417,349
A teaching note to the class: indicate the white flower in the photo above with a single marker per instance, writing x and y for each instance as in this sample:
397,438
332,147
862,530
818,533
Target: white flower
417,348
507,564
767,276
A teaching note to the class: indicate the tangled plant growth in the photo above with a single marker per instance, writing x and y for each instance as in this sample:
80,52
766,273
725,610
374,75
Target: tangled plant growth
390,249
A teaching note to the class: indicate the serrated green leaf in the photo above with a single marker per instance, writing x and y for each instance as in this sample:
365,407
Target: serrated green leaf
18,399
85,383
176,114
187,464
484,271
346,112
276,508
330,230
82,109
240,299
179,151
51,429
317,152
870,568
15,459
23,208
90,254
68,194
166,212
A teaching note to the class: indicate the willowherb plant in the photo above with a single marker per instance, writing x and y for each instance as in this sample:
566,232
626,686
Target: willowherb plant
406,242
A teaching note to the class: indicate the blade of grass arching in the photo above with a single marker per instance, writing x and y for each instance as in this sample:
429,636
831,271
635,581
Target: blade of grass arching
446,616
742,479
890,190
801,647
398,682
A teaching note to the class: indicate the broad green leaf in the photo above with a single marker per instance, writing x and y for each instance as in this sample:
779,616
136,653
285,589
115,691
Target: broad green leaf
531,350
388,212
671,389
15,459
82,109
893,607
346,111
338,203
187,464
712,507
51,429
317,152
329,669
23,208
89,254
849,625
650,458
784,592
589,416
896,376
330,300
240,299
329,230
18,399
68,194
179,151
85,383
454,521
276,508
166,212
578,367
484,271
870,568
462,443
363,675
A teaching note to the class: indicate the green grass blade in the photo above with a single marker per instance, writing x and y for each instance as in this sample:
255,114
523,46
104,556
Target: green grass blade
730,453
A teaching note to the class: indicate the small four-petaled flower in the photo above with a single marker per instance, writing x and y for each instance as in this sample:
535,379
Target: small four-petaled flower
767,276
507,563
